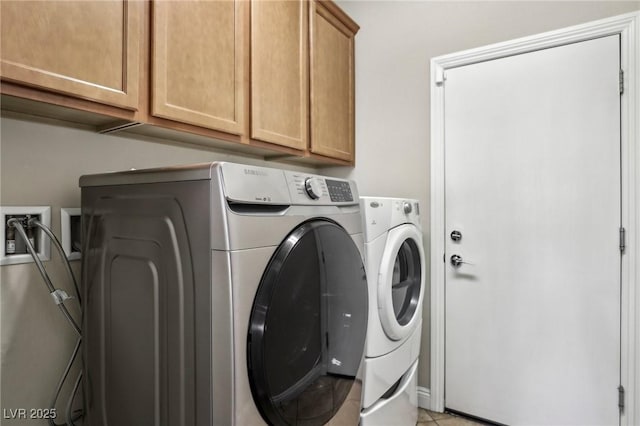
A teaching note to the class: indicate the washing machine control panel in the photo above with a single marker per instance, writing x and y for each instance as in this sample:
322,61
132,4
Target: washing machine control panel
308,189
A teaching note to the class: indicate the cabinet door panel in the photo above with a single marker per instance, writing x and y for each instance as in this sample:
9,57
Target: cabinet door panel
279,72
87,49
332,85
198,63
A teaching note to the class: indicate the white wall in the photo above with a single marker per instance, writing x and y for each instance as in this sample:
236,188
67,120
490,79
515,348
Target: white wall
393,49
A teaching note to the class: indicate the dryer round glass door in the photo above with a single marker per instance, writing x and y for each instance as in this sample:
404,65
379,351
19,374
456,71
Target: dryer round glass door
307,328
405,282
401,281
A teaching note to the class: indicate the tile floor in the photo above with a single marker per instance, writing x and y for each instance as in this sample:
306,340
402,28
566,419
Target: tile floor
430,418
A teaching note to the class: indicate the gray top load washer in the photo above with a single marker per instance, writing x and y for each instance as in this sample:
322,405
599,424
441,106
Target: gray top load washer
222,294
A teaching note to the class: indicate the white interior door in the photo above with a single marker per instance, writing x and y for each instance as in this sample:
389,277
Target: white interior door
532,177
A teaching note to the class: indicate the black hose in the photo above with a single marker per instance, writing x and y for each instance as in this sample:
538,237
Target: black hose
32,251
69,415
58,246
63,379
52,290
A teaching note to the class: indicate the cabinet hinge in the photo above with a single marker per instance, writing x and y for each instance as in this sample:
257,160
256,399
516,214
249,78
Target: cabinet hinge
621,82
621,398
622,239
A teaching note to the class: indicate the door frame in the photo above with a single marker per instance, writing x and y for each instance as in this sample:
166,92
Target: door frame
628,27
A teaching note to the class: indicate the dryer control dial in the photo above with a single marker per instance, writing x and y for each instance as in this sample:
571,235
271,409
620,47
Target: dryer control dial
406,207
313,187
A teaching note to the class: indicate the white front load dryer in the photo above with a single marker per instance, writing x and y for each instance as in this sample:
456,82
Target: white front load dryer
395,264
222,294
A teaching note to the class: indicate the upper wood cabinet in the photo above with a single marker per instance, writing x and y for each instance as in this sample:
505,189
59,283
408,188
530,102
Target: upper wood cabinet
88,49
198,59
279,72
332,82
268,77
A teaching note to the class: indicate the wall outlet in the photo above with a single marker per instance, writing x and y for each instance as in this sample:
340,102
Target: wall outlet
71,232
12,247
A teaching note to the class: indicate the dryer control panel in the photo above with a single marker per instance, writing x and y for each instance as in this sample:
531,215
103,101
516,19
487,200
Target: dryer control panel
339,190
264,185
383,213
306,189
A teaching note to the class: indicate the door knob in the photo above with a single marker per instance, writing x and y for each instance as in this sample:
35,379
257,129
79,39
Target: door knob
456,261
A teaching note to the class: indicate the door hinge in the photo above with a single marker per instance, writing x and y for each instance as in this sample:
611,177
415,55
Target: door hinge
621,398
622,239
440,76
621,82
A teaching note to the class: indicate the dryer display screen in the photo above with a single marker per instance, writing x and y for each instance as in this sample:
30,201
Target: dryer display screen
339,190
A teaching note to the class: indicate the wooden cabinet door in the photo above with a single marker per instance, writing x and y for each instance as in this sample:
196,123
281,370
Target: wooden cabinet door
280,72
86,49
198,63
332,82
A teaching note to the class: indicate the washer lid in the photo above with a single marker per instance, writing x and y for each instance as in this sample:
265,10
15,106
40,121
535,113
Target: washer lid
401,281
308,327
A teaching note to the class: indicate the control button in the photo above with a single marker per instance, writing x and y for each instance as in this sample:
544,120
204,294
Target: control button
313,187
406,207
339,191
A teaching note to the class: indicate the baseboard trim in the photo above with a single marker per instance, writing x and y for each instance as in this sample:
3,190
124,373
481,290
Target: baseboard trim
424,398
